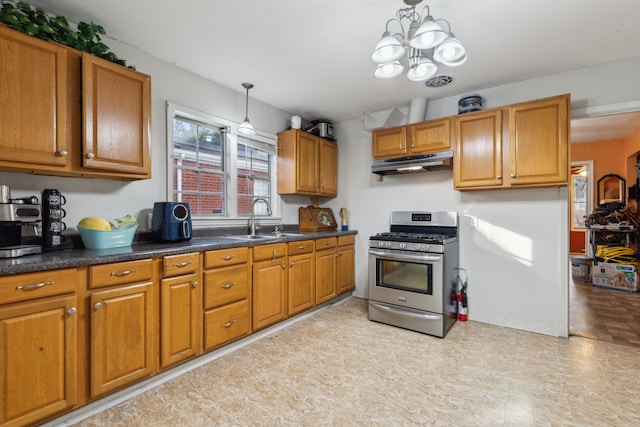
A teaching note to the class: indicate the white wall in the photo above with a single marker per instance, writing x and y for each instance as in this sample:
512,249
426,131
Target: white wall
517,257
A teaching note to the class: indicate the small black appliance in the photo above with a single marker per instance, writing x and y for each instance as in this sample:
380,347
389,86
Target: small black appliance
171,222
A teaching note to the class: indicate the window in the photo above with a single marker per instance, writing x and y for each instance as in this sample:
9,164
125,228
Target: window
198,166
218,173
254,176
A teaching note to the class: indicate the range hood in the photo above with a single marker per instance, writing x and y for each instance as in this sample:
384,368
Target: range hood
413,164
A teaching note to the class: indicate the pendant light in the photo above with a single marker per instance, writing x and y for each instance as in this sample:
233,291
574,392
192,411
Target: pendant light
246,128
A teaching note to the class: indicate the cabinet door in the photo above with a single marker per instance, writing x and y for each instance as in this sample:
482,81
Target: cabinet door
539,142
389,142
325,275
180,318
122,345
38,357
429,136
33,101
478,143
301,278
346,268
306,163
269,293
328,167
116,112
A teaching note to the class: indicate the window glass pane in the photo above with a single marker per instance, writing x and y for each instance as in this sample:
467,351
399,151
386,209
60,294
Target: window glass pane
254,176
579,201
198,166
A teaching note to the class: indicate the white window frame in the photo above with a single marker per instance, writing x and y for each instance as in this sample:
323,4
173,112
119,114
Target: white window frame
231,217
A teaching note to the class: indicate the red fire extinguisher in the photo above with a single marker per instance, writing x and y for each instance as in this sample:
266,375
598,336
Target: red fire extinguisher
462,298
462,303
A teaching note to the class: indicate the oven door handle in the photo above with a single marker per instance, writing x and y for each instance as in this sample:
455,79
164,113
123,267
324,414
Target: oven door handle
405,256
405,313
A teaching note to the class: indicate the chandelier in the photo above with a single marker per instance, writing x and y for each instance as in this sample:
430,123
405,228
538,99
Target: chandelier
424,44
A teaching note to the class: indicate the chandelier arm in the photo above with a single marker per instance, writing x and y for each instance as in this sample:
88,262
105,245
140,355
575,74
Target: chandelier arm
448,24
399,23
421,14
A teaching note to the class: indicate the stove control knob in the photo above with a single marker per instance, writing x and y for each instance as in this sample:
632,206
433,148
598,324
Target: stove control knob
402,245
387,245
381,244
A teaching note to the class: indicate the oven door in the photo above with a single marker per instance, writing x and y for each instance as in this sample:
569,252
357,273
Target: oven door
407,279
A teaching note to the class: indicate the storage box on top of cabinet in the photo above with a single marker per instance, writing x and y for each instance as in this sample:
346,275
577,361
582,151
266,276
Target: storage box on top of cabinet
623,277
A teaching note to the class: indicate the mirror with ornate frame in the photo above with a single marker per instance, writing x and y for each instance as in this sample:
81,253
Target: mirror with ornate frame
611,188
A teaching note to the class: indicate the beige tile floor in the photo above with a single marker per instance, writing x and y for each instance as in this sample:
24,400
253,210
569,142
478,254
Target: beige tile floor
336,368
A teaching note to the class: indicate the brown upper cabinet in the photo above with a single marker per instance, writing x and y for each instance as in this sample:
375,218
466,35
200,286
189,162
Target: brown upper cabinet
416,138
307,164
70,113
517,146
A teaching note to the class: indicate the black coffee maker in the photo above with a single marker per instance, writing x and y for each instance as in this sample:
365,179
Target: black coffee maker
14,215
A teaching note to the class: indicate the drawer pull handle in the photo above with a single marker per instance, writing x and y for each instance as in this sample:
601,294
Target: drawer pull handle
274,256
513,175
498,176
228,324
32,287
228,257
182,264
97,306
194,284
302,247
72,310
228,285
292,264
326,243
122,273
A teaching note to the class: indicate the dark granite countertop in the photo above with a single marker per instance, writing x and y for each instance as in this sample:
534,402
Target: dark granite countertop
74,257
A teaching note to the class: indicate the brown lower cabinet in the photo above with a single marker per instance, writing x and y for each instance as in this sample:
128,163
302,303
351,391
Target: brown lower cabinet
301,277
180,309
269,285
38,345
71,336
227,288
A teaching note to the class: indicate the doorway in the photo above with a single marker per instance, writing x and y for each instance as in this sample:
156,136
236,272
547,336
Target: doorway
596,312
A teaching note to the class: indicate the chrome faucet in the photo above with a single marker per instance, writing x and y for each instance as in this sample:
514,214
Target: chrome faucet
252,222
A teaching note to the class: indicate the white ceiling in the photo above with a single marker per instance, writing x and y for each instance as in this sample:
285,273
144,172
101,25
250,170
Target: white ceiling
312,58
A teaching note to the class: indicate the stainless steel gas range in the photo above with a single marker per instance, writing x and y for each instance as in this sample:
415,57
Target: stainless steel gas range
413,270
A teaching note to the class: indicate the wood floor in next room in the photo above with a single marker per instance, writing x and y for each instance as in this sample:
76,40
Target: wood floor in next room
604,314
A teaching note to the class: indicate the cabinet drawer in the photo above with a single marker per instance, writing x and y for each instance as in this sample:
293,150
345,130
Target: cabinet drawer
175,265
21,287
346,240
120,273
224,257
226,323
277,250
302,247
325,243
225,285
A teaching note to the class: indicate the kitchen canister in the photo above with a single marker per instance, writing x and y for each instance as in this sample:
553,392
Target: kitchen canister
469,103
296,122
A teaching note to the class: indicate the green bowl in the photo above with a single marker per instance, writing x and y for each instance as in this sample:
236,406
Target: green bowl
101,239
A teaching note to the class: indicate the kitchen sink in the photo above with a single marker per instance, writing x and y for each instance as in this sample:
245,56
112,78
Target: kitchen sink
253,237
